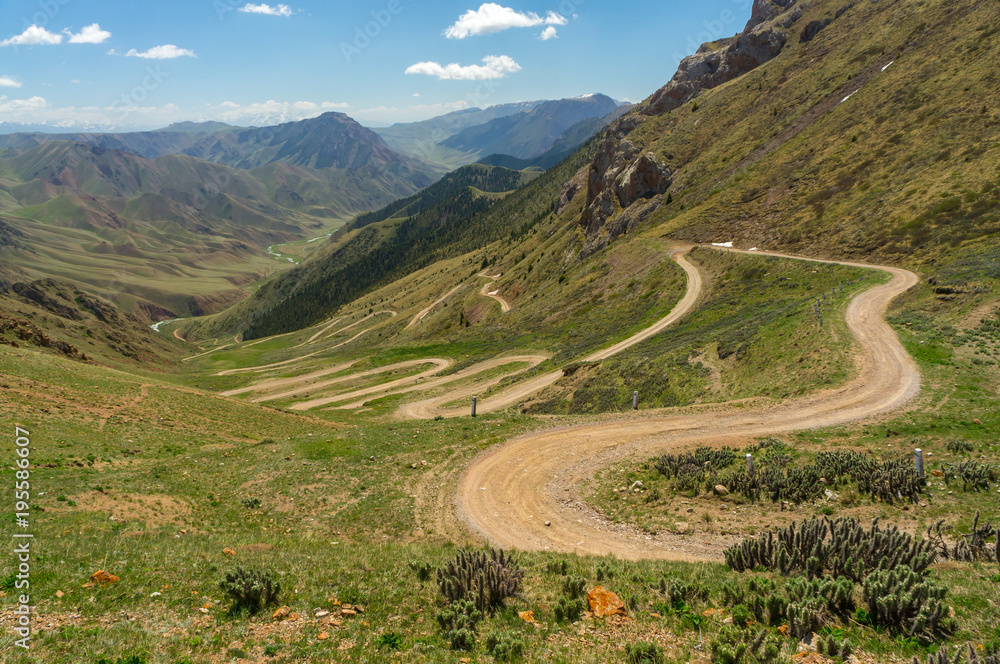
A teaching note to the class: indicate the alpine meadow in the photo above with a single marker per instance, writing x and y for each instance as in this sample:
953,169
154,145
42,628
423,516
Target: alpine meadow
415,370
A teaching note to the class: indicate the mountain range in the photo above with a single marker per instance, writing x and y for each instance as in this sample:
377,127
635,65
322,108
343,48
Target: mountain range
184,220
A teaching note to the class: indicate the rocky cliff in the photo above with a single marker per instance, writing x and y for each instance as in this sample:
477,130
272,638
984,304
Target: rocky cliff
626,183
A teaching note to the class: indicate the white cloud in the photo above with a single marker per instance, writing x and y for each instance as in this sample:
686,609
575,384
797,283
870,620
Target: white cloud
33,36
91,34
494,66
164,52
14,107
263,8
9,82
270,112
548,33
491,17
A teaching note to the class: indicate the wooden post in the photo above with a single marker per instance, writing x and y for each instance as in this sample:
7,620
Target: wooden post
473,406
919,458
749,462
635,400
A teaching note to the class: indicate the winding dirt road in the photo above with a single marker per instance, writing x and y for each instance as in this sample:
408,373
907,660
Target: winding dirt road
510,492
495,295
426,310
430,408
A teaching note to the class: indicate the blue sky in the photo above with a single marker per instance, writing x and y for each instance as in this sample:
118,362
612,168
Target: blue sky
149,63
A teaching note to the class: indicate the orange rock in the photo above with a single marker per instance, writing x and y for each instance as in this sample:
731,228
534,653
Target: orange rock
605,603
527,616
348,612
783,630
281,613
229,552
100,577
323,636
937,473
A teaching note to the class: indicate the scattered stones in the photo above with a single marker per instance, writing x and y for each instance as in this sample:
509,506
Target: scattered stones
721,490
637,485
281,613
682,527
548,523
322,614
605,603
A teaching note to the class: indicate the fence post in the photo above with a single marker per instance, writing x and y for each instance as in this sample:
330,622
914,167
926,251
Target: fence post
749,462
919,458
635,400
473,406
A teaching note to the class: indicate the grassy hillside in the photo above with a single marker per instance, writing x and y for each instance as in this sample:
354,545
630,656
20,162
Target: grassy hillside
152,474
875,138
453,218
176,235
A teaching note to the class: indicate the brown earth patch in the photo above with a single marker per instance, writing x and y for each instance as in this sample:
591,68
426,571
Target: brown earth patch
154,509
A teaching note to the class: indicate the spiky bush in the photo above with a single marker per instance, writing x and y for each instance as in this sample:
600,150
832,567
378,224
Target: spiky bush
972,474
821,547
837,465
907,604
989,656
836,594
458,621
487,578
504,647
776,483
678,591
980,544
760,596
890,481
572,604
959,446
422,569
805,616
734,646
833,647
670,464
643,652
250,589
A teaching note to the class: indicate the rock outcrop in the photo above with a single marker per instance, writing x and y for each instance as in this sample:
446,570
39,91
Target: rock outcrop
623,175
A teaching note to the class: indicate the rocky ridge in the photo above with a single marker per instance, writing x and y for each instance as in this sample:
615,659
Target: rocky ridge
625,183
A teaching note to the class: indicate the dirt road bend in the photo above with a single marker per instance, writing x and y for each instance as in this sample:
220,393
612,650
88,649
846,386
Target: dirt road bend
510,492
